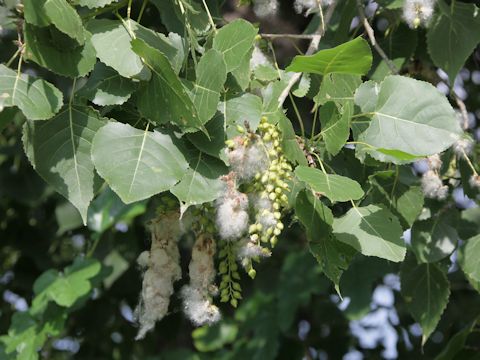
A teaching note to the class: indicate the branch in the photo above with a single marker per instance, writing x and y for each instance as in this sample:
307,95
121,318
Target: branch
462,108
311,49
373,41
290,36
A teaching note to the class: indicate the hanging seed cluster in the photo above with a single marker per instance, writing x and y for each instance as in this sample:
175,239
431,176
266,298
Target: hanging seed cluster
244,224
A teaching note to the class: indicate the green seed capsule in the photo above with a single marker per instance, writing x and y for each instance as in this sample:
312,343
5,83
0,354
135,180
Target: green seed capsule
273,241
272,196
252,273
277,232
280,226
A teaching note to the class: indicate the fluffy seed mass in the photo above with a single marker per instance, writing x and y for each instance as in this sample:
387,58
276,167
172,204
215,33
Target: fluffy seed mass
232,215
432,186
418,12
196,296
162,270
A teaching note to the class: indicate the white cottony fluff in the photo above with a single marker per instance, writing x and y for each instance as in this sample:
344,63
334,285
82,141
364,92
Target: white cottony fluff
434,162
249,250
418,12
308,6
265,215
163,269
258,58
474,181
463,147
432,186
196,296
247,161
264,8
232,215
198,308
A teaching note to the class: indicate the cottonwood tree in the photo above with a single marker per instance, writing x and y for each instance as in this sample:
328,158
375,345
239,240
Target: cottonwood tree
245,202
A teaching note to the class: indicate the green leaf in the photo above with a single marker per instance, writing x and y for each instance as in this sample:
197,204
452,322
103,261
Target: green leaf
352,57
201,182
246,107
335,125
107,87
242,73
373,231
58,13
333,256
301,88
27,335
111,39
59,150
358,283
271,93
456,343
56,52
92,4
214,143
265,72
215,337
453,35
67,217
67,287
394,191
108,209
211,75
37,99
468,255
433,239
408,116
234,41
399,46
338,88
137,163
366,96
296,291
426,290
334,187
289,142
116,264
164,99
469,223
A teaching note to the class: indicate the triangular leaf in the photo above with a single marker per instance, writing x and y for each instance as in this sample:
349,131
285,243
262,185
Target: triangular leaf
234,41
425,289
353,57
59,150
137,163
334,187
164,99
373,231
38,99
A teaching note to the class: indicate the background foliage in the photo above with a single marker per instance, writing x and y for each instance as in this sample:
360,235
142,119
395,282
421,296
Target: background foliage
105,104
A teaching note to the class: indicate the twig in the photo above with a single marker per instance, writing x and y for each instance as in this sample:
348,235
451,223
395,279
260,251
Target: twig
463,109
311,49
373,41
290,36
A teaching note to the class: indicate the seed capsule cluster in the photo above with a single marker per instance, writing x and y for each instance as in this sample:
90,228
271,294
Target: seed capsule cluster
230,290
272,188
267,187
